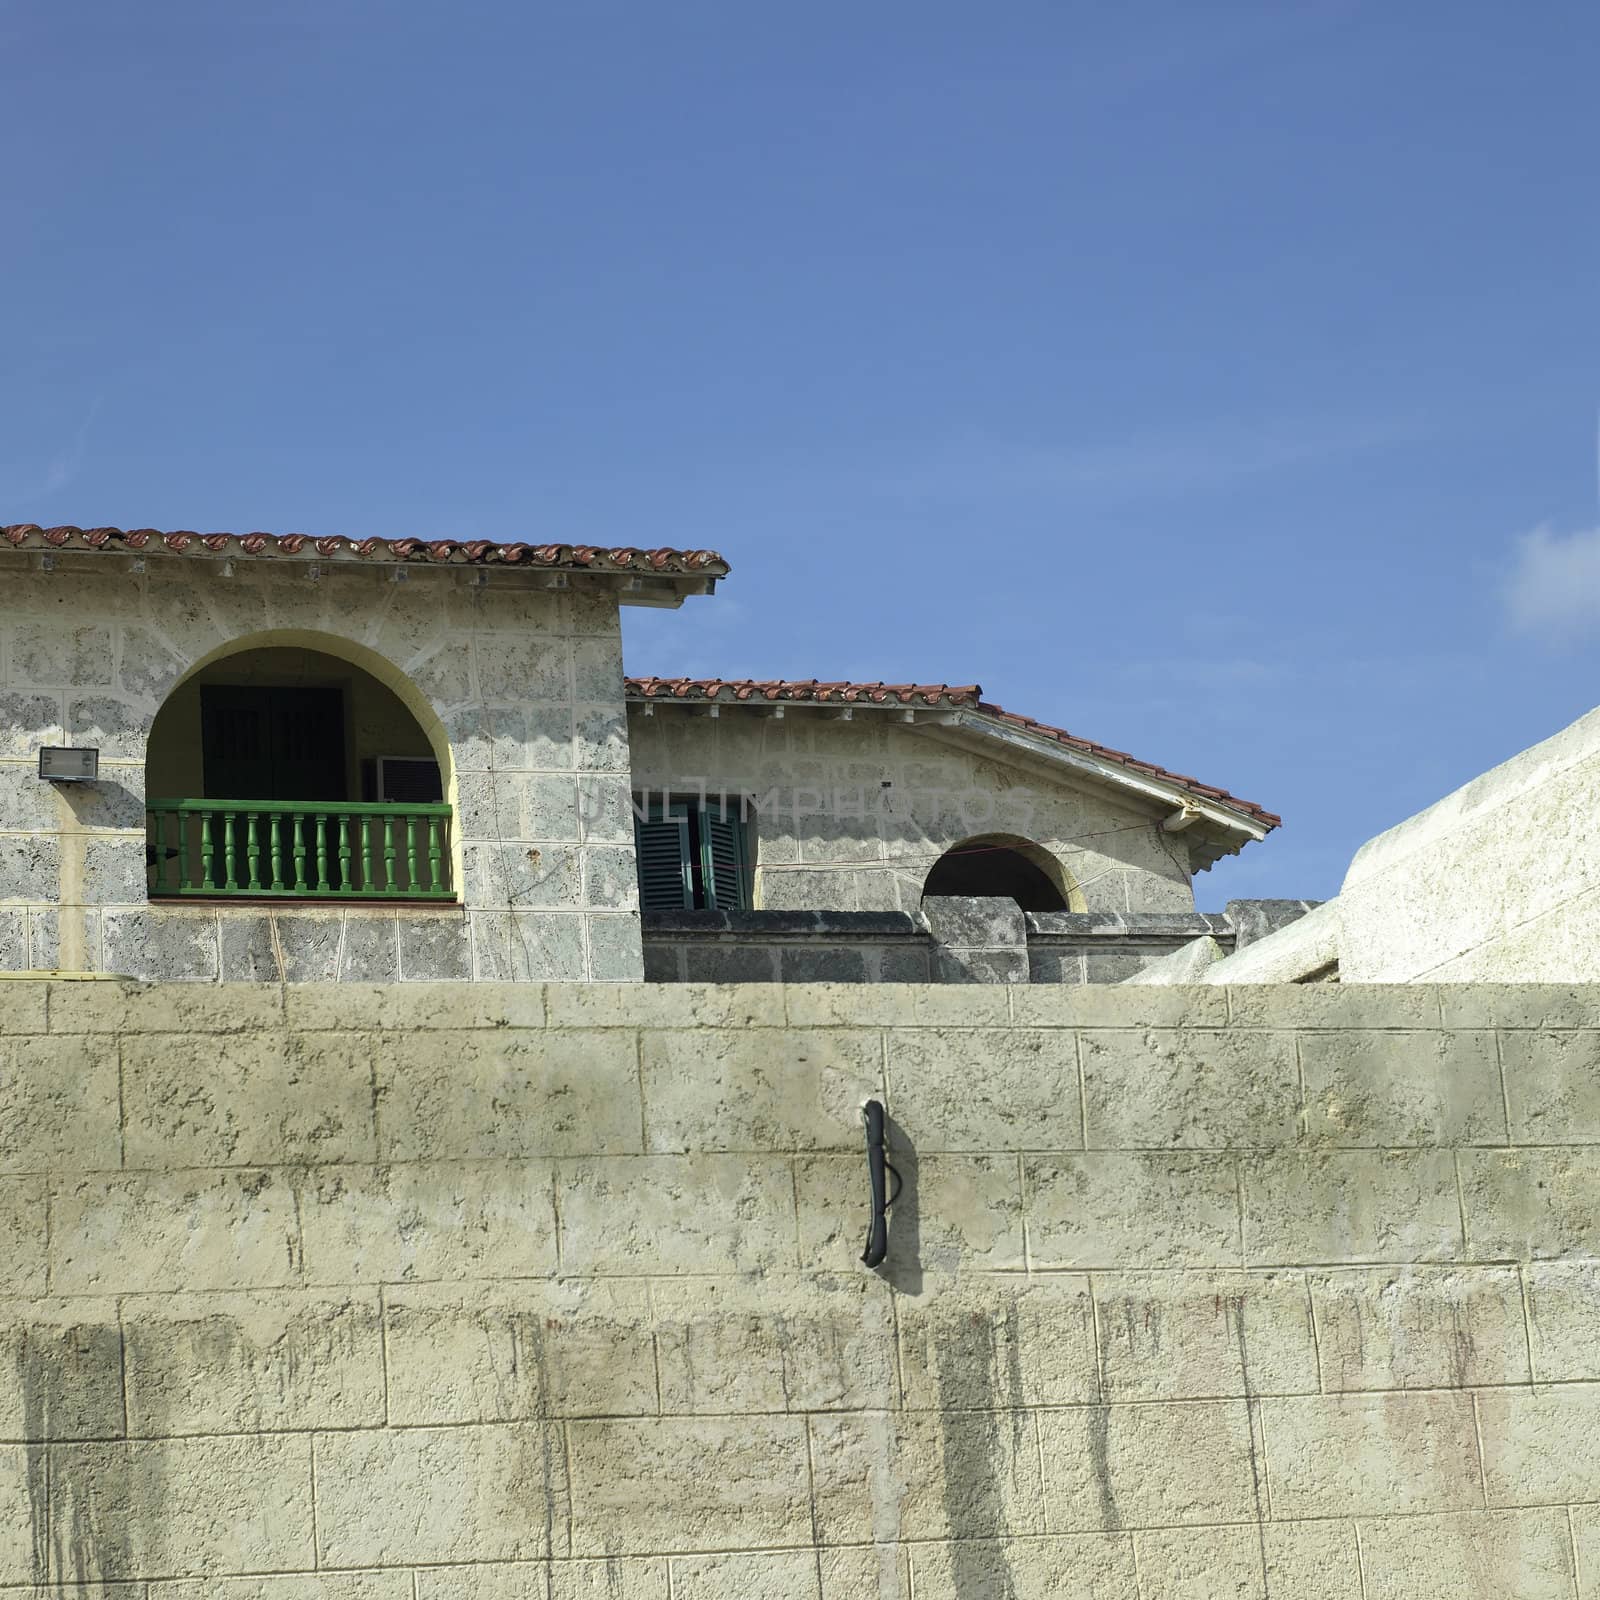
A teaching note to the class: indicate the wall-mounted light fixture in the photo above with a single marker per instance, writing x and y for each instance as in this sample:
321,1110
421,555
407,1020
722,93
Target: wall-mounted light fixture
69,764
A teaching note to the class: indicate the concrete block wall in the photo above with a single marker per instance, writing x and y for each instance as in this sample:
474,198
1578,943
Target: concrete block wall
430,1291
523,683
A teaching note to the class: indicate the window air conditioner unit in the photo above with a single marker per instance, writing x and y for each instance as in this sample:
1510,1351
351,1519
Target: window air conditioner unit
408,780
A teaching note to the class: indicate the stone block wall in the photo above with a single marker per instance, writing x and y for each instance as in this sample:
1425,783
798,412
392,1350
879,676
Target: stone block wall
430,1292
521,682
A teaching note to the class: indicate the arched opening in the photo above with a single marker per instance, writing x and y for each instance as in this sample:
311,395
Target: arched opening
295,765
1003,866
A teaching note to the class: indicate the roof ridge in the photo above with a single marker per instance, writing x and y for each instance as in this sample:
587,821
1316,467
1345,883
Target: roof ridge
830,689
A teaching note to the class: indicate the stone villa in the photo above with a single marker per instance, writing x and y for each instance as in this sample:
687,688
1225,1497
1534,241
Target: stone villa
1216,1281
323,759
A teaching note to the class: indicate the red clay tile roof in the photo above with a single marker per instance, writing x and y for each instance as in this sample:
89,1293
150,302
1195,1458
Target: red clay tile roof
968,697
807,689
470,552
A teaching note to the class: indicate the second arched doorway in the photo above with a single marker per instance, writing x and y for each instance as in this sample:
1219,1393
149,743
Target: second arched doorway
1001,865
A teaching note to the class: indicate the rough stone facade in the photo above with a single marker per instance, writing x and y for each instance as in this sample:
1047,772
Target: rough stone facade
518,683
853,815
547,1292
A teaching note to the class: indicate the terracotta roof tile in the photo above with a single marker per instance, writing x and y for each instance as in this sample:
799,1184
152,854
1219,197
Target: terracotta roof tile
812,690
968,697
467,552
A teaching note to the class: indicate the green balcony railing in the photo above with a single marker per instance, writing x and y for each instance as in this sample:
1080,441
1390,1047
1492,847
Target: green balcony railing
298,850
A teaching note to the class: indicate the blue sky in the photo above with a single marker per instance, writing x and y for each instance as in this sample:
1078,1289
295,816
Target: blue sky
1218,381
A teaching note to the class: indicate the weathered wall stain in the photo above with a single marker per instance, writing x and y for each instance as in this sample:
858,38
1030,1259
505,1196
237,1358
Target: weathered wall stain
1236,1313
975,1407
1100,1462
79,1501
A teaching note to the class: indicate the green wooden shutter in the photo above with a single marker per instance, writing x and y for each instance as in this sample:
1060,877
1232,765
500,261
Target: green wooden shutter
662,843
722,860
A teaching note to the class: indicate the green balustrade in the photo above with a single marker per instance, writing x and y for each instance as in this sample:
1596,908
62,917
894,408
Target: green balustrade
288,850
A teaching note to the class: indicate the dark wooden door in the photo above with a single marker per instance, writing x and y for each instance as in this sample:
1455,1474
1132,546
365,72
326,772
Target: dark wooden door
272,744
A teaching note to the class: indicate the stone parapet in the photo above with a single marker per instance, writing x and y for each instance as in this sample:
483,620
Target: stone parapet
471,1290
946,941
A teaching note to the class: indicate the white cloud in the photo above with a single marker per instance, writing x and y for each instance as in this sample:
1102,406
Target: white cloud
1555,586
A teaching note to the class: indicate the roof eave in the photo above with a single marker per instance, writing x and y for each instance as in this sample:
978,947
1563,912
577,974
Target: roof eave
1234,825
651,575
667,592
